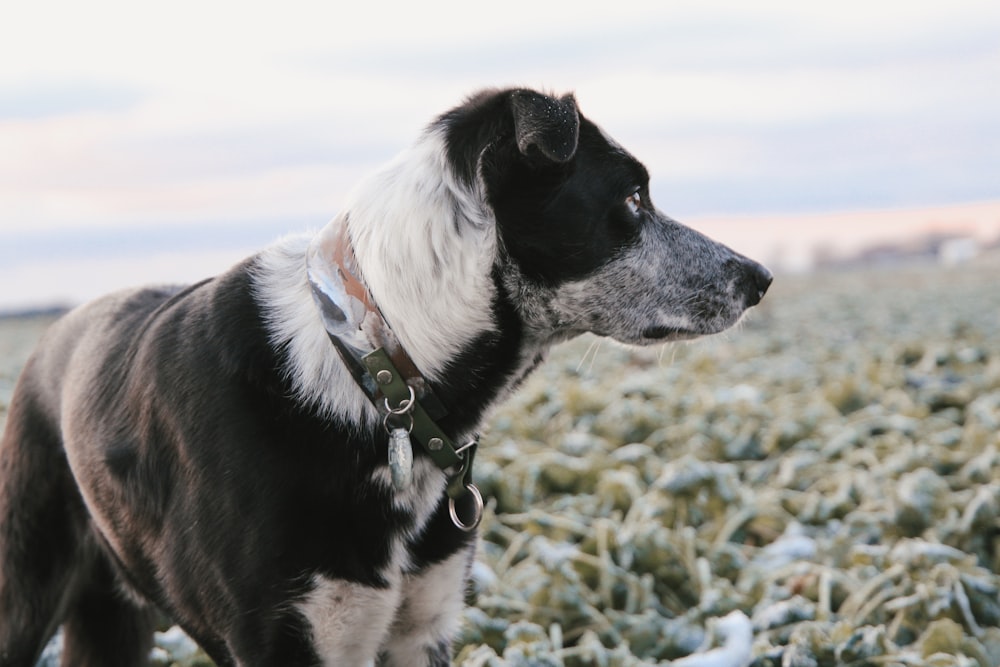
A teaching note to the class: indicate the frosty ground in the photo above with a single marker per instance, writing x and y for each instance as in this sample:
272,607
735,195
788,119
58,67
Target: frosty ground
819,487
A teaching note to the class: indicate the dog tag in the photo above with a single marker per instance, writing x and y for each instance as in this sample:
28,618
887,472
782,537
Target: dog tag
400,458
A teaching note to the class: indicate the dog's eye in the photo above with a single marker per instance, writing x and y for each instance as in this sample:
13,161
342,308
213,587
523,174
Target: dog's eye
634,202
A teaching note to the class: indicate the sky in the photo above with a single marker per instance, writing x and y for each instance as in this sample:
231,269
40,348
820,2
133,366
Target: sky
162,142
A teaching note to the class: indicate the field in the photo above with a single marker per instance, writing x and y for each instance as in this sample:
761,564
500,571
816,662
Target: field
819,487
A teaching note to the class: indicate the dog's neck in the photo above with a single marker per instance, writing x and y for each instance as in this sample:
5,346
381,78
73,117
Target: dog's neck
414,237
353,321
386,373
425,253
427,261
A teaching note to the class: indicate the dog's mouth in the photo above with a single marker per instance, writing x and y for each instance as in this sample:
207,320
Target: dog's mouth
661,333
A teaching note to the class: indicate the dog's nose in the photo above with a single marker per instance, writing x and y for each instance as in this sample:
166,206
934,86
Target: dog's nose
758,279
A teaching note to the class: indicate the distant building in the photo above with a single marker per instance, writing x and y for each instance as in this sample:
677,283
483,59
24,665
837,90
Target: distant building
945,248
958,250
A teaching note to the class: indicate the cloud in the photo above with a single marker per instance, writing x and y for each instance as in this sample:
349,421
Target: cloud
46,99
28,248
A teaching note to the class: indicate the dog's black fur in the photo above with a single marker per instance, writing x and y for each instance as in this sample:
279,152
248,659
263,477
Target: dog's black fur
168,447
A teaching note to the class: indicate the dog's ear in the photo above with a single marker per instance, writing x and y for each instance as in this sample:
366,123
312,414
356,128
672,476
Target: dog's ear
545,124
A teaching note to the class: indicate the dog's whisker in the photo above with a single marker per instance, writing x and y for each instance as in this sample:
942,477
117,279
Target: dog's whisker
594,344
593,358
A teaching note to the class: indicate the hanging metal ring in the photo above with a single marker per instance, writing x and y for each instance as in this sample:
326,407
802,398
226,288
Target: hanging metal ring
477,509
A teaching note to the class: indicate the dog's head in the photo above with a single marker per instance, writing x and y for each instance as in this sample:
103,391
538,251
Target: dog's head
512,223
580,245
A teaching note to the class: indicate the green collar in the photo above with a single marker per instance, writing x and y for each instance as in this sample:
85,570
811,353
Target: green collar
435,442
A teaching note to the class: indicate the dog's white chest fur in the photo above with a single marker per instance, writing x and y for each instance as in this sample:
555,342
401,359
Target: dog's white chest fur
354,624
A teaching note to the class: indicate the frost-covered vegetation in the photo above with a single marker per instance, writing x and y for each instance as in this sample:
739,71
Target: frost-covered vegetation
819,487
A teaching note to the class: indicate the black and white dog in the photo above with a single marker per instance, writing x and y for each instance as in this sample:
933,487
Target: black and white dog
222,453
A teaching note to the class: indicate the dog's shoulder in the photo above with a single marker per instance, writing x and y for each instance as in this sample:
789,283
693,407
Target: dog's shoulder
87,336
213,327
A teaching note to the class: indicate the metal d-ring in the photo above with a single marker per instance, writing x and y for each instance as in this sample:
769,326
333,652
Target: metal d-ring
477,499
405,406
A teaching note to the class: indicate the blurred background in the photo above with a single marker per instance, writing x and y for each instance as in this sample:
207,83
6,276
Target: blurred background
832,471
162,142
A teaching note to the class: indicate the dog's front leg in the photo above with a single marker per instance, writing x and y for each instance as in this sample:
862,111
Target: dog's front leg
429,614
